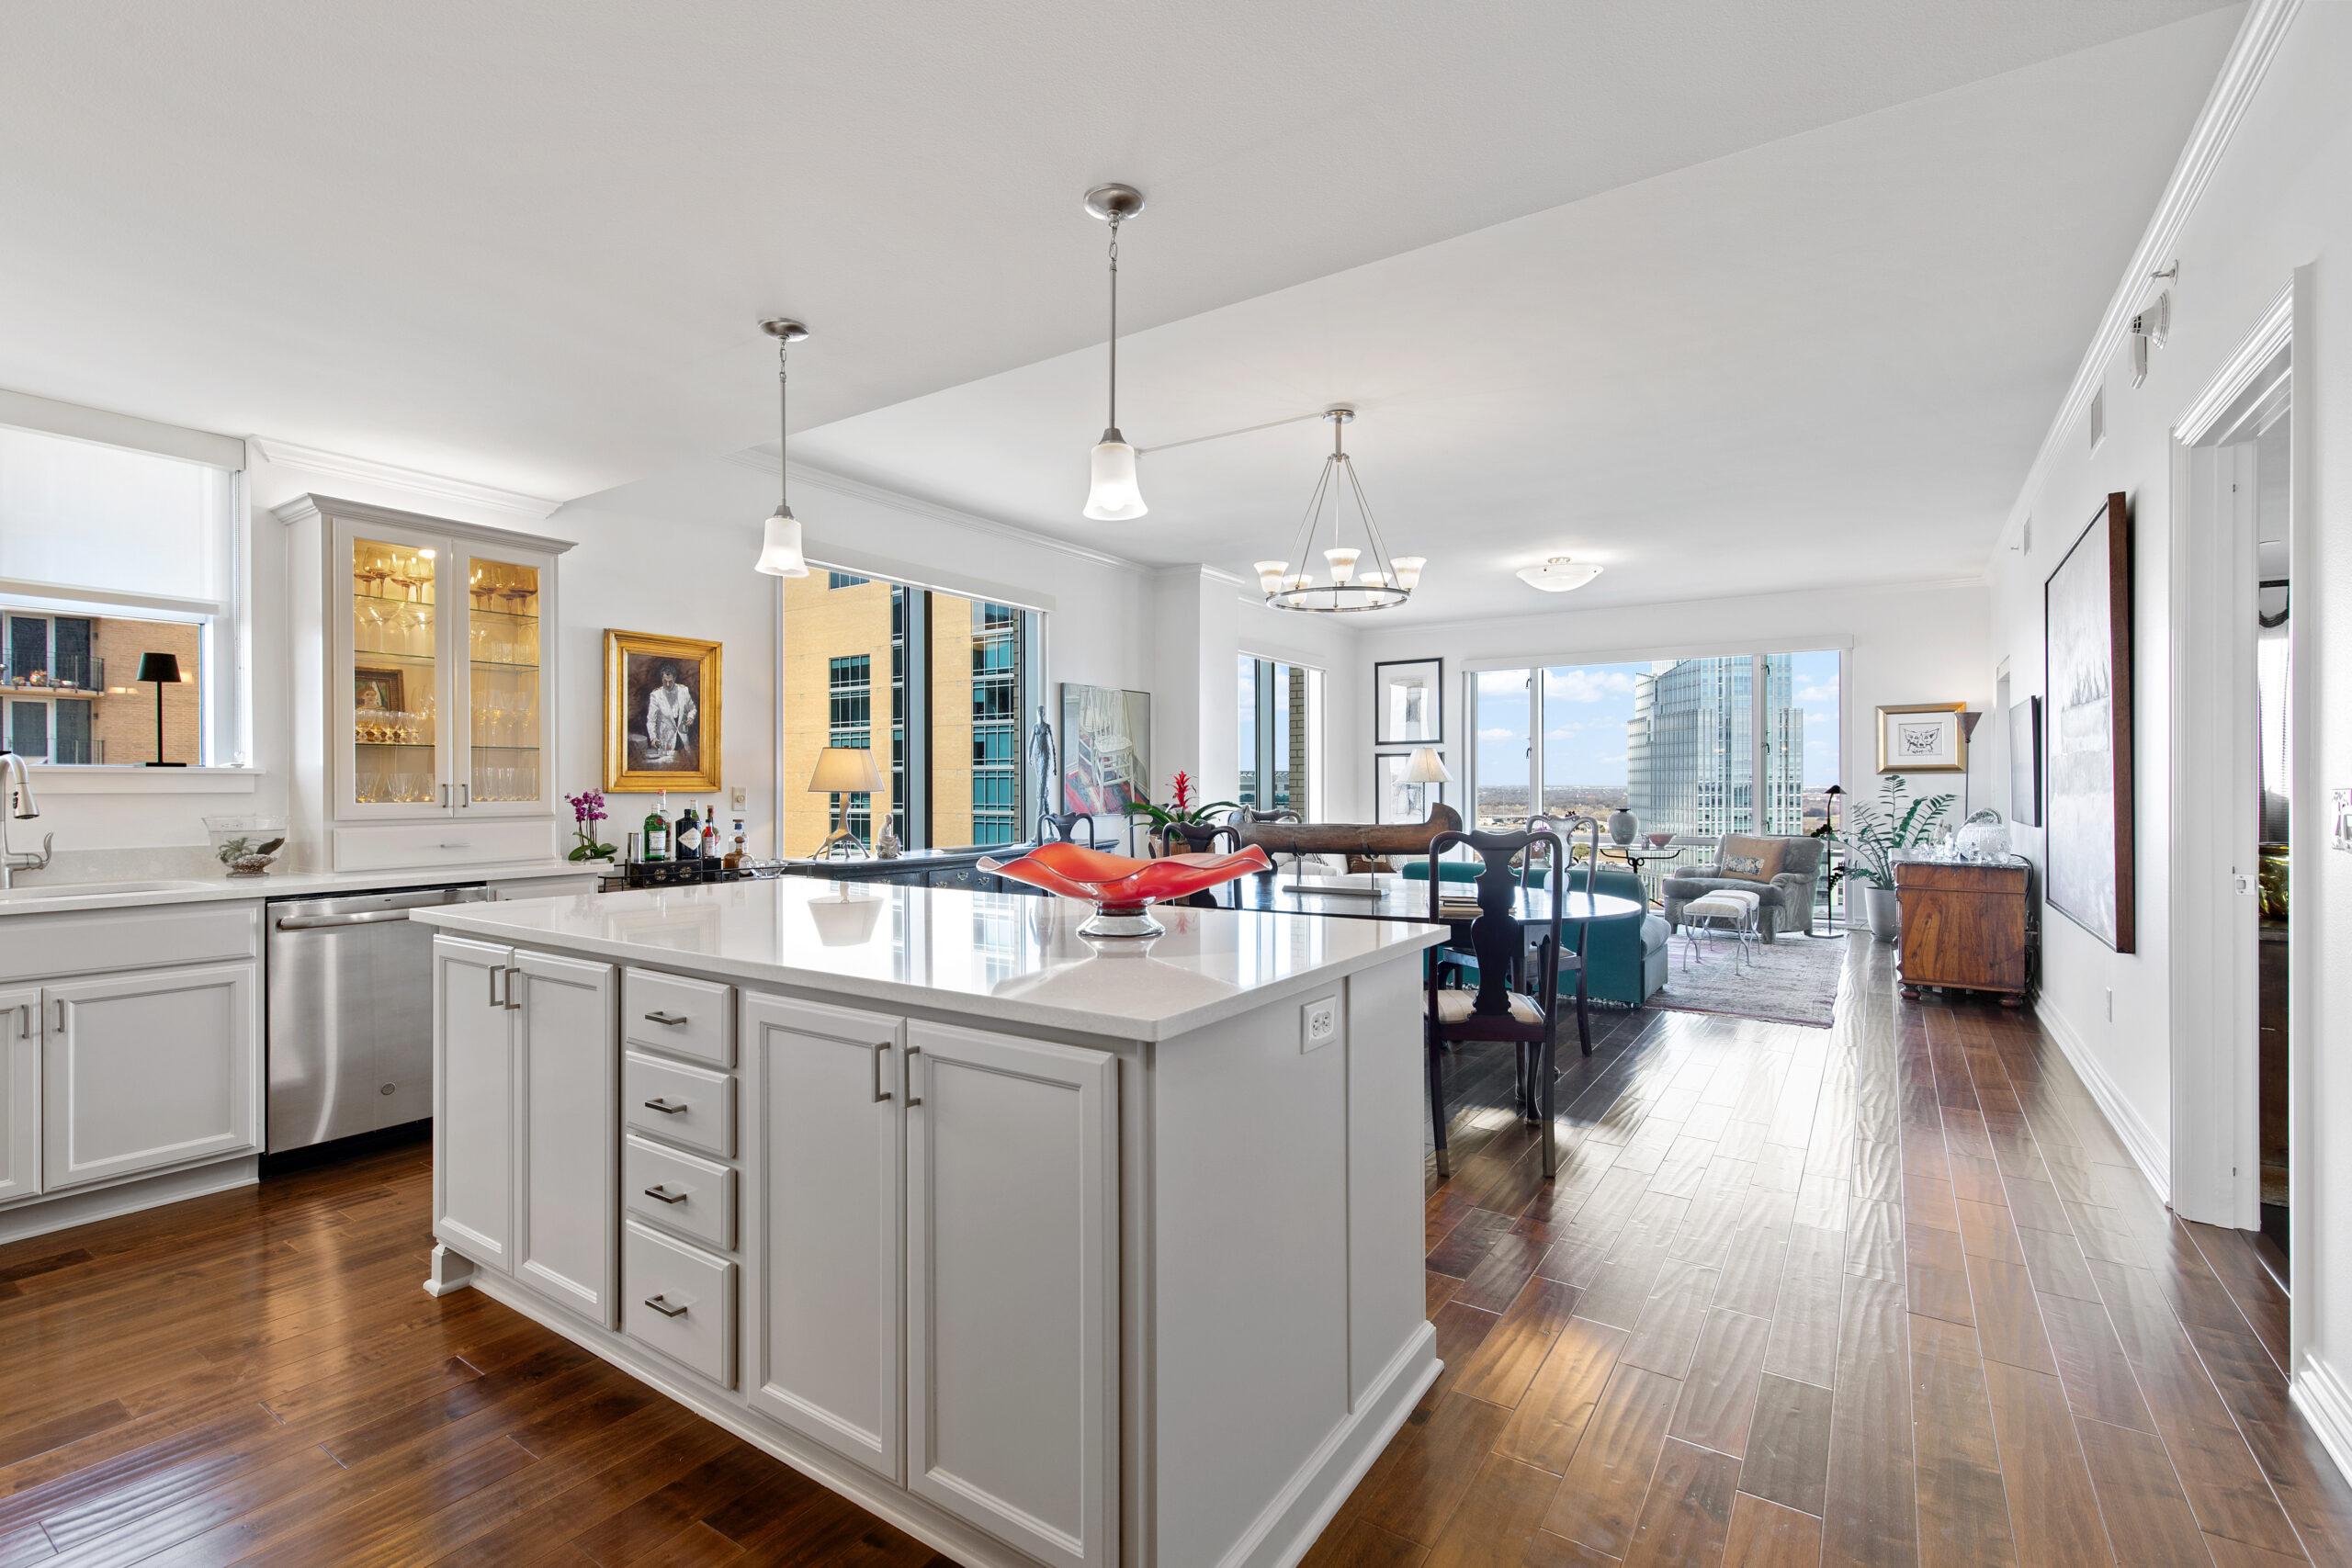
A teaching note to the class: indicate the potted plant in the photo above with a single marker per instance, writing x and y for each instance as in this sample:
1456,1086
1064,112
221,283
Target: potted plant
1184,812
1875,836
587,811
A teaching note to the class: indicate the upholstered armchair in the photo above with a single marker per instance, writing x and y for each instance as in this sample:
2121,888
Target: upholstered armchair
1782,872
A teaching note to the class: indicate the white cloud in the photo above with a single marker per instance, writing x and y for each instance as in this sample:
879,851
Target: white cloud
1812,694
1587,686
1497,733
1606,761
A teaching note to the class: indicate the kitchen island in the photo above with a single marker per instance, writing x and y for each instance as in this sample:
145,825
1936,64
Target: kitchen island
1047,1250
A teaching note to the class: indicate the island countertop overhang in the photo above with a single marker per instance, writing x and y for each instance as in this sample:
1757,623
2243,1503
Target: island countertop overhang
1004,957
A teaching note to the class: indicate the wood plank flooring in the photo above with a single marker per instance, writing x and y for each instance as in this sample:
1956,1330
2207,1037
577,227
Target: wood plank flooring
1887,1294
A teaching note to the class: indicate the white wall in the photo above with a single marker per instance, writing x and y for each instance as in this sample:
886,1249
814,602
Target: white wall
1914,643
2278,198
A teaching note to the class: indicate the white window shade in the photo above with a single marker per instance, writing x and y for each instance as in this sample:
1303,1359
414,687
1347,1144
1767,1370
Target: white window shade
78,518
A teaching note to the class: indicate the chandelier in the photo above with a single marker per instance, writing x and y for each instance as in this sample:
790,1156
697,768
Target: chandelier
1385,583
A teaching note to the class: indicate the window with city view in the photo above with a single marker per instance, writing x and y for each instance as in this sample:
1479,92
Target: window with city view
108,555
1279,749
961,674
1683,743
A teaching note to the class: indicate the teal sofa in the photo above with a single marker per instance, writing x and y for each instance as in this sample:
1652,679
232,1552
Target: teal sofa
1628,958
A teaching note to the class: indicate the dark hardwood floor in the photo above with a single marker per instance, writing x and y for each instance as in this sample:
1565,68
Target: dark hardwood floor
1882,1294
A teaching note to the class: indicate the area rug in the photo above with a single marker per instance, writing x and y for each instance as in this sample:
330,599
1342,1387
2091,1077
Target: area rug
1793,980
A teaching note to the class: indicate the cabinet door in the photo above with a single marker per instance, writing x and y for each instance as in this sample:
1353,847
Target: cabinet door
387,730
1013,1302
824,1147
505,722
568,1092
142,1071
473,1100
20,1016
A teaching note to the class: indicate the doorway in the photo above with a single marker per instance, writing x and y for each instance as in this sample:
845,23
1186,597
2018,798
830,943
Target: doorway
2236,1127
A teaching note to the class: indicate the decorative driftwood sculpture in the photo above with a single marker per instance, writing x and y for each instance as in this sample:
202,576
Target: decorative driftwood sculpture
1367,841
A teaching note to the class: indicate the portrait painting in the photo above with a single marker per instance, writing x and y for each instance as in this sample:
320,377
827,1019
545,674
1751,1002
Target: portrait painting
661,712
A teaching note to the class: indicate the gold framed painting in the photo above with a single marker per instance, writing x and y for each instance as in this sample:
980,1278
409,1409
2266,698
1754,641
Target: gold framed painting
1923,738
661,712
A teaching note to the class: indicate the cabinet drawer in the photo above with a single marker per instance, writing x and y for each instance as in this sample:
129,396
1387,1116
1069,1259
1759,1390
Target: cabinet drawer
697,1106
44,947
698,1198
685,1018
679,1300
446,840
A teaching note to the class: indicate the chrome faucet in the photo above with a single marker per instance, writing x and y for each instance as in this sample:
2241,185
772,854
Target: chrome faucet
18,802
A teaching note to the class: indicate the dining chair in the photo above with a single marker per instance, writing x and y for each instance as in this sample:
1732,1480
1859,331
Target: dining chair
1503,1007
1563,882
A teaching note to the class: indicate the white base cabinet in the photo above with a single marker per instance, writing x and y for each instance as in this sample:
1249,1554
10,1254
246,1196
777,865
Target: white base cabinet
145,1070
20,1015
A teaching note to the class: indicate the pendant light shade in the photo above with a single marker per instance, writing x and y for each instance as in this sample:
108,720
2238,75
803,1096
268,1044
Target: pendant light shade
1114,494
780,552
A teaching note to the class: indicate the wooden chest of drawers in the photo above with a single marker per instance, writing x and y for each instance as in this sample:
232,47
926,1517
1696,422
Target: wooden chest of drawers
1966,926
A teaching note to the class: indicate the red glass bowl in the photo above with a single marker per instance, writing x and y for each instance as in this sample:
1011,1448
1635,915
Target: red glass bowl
1122,889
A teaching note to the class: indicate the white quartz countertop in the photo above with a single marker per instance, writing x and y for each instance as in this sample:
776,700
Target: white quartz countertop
1000,957
32,895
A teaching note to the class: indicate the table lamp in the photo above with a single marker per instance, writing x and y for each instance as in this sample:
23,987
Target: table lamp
841,770
164,669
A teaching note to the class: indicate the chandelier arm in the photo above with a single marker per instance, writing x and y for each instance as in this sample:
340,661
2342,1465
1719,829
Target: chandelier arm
1372,527
1307,527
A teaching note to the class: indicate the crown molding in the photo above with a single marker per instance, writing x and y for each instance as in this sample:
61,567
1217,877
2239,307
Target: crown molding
762,461
2243,69
439,488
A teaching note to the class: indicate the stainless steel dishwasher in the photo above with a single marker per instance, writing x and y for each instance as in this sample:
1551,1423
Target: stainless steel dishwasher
350,1013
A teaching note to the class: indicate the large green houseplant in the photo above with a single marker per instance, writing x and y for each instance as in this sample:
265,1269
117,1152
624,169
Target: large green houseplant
1877,834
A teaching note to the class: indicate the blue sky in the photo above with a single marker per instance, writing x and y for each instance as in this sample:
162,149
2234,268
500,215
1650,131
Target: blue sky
1586,708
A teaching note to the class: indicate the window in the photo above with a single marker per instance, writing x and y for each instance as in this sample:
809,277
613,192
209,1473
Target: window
1279,757
964,676
107,555
1681,742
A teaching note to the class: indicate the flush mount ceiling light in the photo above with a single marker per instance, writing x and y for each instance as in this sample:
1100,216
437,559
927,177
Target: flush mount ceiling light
1115,495
1558,575
780,553
1389,583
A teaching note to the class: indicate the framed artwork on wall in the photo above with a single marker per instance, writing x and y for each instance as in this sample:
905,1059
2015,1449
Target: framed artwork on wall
1408,701
661,712
1106,750
2025,762
1397,798
1923,738
2086,639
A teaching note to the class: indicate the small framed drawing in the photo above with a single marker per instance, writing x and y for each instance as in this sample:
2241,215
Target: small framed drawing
1408,703
1396,796
1922,738
379,689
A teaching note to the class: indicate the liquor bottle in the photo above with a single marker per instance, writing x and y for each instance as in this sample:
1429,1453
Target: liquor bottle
735,855
714,843
657,828
689,838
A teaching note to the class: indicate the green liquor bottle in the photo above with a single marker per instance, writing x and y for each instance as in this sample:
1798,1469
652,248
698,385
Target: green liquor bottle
656,842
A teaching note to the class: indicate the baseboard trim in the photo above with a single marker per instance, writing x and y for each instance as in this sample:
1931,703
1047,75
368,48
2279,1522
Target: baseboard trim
40,1217
2320,1394
1287,1528
2150,1153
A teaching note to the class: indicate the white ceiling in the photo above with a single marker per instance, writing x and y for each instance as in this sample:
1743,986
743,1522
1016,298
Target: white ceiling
524,243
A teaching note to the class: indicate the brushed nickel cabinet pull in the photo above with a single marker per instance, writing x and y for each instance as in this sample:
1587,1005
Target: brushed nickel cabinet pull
880,1048
661,1304
514,1003
661,1194
667,1020
664,1107
913,1098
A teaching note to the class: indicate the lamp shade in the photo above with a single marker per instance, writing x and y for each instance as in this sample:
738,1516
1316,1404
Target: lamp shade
780,554
1427,767
1116,495
159,667
845,769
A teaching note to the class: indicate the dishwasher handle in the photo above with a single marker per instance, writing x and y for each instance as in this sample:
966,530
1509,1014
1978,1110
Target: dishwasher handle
330,922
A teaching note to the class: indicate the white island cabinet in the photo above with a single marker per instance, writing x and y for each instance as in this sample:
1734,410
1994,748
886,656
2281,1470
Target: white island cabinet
1051,1252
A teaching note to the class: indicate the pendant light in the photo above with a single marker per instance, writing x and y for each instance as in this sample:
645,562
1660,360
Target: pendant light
780,552
1114,496
1382,582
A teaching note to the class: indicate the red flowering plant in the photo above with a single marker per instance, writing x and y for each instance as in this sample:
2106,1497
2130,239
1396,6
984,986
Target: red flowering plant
1184,809
587,811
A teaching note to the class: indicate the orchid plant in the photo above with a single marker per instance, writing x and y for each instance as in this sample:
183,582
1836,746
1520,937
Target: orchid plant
587,811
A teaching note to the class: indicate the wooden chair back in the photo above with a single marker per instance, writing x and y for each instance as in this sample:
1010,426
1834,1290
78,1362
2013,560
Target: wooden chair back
1498,936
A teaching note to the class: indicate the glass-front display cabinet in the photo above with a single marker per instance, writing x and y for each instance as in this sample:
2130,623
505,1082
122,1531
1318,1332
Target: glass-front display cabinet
438,695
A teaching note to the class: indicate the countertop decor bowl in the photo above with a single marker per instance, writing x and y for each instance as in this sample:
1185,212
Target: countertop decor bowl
1122,889
246,846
